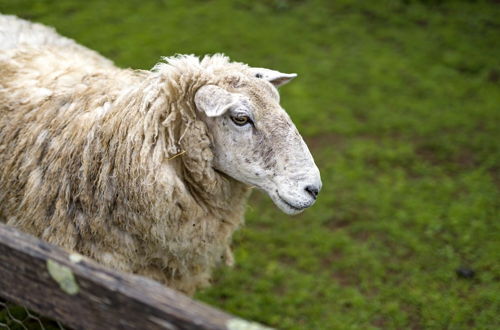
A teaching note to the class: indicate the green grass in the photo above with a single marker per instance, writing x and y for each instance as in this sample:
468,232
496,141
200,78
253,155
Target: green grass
400,104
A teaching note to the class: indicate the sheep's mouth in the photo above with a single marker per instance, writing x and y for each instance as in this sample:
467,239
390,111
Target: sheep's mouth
286,206
290,205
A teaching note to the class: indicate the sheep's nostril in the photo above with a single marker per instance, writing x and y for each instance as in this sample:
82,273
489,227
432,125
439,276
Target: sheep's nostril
312,190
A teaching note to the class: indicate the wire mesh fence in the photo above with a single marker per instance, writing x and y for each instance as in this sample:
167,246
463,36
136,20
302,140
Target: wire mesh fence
15,317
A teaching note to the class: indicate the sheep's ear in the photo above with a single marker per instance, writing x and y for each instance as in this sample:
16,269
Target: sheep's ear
274,77
214,100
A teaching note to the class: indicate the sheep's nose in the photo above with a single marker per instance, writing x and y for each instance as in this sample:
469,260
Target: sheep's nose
312,190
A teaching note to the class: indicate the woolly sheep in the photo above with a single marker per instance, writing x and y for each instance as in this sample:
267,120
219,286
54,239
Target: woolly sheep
144,171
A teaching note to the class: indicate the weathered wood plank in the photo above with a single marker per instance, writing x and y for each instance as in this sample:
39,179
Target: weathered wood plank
97,297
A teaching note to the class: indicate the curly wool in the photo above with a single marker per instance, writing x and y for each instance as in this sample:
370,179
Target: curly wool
115,164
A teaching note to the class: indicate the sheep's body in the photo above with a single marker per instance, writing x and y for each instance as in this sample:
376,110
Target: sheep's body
15,32
79,141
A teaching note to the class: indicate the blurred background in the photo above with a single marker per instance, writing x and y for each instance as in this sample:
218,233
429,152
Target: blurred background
399,102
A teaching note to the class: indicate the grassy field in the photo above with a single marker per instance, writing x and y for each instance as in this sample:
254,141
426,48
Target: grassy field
399,102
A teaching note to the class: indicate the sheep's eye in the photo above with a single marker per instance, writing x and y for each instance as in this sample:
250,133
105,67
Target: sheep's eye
241,120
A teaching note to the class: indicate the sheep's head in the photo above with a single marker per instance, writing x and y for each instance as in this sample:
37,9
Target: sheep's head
254,139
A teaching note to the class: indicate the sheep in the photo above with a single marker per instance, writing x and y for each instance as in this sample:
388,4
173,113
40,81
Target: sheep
147,172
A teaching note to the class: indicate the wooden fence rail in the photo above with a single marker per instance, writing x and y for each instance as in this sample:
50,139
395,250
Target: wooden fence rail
85,295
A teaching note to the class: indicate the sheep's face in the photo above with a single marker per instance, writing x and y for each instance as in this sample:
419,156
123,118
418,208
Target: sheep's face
255,141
